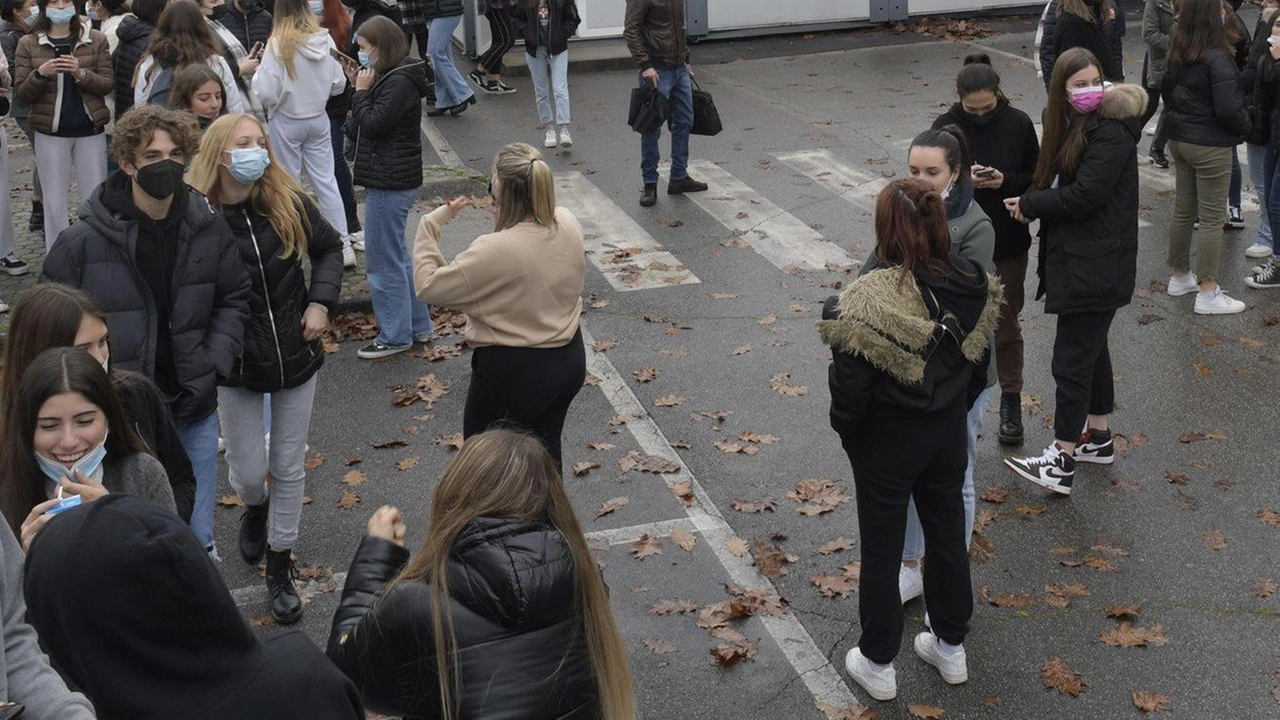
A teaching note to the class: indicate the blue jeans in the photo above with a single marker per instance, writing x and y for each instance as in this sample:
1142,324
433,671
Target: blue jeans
913,544
674,84
200,440
556,69
451,87
401,316
1237,182
342,171
1257,155
1272,166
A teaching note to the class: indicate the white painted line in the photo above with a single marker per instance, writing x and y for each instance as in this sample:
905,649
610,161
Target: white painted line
777,235
1003,53
439,144
852,184
627,255
822,679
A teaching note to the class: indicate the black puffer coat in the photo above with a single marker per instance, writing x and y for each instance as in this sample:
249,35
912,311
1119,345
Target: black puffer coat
1089,224
1259,109
1203,102
251,26
275,356
384,126
562,23
135,35
210,291
522,650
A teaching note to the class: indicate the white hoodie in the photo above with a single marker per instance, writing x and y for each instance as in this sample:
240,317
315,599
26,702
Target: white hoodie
317,77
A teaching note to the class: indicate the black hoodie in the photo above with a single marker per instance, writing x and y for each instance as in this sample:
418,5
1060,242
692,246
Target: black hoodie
134,34
908,345
132,609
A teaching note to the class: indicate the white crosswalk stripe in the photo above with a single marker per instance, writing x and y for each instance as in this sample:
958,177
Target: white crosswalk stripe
777,235
823,167
624,252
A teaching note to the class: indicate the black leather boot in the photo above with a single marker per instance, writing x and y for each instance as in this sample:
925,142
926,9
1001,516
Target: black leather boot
36,222
1010,419
286,606
253,531
649,197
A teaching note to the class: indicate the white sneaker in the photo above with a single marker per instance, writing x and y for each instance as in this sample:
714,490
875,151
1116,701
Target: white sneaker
550,140
348,257
566,140
1258,251
357,241
1184,285
1217,303
910,583
4,307
879,684
954,669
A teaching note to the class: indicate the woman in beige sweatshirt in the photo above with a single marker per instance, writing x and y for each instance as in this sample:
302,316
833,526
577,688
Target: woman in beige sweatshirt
521,287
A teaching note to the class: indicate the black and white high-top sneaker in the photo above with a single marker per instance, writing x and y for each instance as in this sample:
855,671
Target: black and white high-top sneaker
1095,447
1054,470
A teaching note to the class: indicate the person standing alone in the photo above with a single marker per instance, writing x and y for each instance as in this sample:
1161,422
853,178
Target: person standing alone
655,36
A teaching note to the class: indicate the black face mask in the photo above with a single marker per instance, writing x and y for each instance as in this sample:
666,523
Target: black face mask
217,12
160,179
979,120
251,7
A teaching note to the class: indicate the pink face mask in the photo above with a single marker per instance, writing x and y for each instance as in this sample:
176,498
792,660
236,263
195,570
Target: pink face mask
1086,99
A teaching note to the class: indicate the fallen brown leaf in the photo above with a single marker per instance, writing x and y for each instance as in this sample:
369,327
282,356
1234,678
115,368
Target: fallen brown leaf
1123,612
754,437
1176,478
600,445
1058,675
390,444
610,506
585,467
313,462
996,494
767,320
646,463
759,602
1129,636
924,712
1269,517
764,504
835,546
736,546
1214,539
729,654
740,350
1264,588
646,546
817,496
604,345
834,585
683,490
1012,600
673,607
354,478
453,441
645,374
231,500
669,401
348,500
1149,702
771,560
733,448
778,383
851,712
408,463
1099,563
1030,510
683,538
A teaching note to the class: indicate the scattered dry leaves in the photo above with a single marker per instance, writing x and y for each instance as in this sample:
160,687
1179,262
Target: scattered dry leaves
835,546
1012,600
673,607
995,494
771,560
354,478
645,374
1264,588
736,546
683,490
834,585
924,712
778,383
764,504
610,506
635,460
851,712
669,401
600,445
313,462
1131,611
584,467
348,500
646,546
729,654
1058,675
390,444
426,389
817,496
453,442
754,437
1149,702
408,463
1030,510
1269,517
740,350
683,538
604,345
733,448
1214,539
1128,636
231,500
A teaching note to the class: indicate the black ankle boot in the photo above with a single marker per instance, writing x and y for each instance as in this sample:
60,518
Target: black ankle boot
36,223
286,606
253,532
649,197
1010,419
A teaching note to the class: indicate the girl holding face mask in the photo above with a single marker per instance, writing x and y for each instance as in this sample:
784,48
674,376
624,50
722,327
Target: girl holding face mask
274,225
65,434
1085,194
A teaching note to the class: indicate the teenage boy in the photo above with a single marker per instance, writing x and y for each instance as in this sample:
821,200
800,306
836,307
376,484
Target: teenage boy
163,267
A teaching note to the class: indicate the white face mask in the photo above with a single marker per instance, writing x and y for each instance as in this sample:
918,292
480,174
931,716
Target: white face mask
946,192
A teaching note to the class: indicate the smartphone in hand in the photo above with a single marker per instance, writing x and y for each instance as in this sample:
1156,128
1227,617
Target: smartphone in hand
256,51
984,172
345,61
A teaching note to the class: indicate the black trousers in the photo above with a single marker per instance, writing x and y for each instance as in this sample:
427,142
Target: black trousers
530,388
1153,102
504,38
1082,372
897,456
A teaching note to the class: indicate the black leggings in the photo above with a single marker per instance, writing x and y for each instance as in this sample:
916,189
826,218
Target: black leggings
504,38
527,387
897,456
1082,371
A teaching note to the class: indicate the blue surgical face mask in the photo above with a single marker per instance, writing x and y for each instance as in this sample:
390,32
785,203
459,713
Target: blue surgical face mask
60,16
365,60
31,19
317,6
248,164
87,465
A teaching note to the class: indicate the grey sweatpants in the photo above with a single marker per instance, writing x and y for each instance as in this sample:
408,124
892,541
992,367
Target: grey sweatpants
54,157
240,412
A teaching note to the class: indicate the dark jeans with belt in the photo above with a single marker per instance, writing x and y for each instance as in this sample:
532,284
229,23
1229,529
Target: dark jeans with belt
897,456
530,388
1082,371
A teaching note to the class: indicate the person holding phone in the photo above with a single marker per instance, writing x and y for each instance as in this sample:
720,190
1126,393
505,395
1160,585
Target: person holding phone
63,74
65,433
297,77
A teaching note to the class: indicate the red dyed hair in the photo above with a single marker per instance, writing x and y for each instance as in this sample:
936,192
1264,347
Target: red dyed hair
336,20
911,227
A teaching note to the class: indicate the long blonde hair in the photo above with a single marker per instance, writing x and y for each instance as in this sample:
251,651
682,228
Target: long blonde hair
292,24
526,190
268,195
508,474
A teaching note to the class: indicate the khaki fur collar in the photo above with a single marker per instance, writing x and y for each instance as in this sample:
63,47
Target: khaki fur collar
887,323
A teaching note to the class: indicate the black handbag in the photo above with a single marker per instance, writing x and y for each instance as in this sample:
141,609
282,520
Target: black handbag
706,118
649,110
